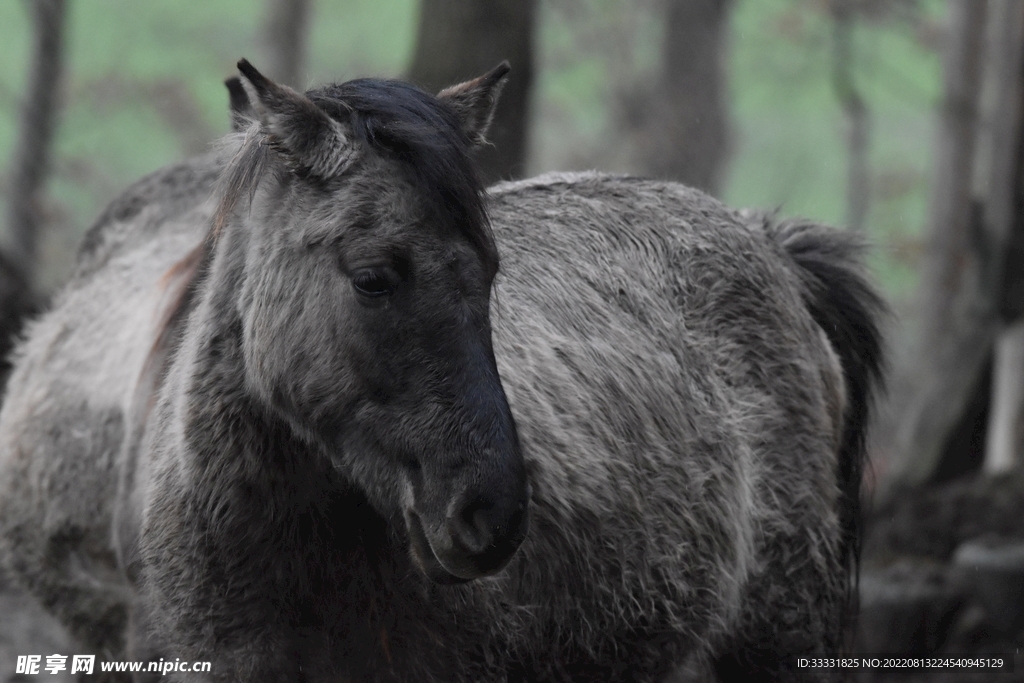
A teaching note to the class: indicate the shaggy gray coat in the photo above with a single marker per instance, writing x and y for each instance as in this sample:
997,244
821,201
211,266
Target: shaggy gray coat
689,425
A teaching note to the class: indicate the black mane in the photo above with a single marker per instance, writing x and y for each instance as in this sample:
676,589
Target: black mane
415,127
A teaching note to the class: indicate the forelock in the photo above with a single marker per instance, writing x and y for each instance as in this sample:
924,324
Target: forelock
417,129
394,119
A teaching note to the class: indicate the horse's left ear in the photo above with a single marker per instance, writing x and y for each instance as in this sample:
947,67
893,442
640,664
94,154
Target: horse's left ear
242,113
310,140
474,101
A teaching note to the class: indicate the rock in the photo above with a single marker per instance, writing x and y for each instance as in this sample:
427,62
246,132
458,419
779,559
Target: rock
991,572
906,608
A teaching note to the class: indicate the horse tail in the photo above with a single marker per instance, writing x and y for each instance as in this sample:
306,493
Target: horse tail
843,302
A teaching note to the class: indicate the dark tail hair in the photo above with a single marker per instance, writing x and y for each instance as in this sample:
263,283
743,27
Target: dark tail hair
849,310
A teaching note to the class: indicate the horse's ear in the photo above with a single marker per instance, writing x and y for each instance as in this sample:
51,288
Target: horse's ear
242,113
310,139
474,101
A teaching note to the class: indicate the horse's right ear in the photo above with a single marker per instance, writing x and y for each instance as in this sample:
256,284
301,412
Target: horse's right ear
309,139
474,101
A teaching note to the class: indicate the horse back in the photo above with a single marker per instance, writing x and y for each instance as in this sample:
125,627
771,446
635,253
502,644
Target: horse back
63,420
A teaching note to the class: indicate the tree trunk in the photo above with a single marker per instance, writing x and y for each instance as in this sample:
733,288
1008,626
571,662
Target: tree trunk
974,282
855,111
38,119
1006,420
1005,212
957,296
285,33
462,39
681,127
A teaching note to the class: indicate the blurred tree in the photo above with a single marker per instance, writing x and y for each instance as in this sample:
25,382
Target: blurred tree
1005,215
680,125
284,34
957,317
29,170
462,39
969,286
855,111
845,16
38,117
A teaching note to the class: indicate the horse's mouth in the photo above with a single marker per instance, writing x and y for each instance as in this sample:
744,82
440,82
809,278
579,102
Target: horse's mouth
424,555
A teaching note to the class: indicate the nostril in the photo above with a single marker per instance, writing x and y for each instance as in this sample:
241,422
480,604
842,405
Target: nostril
473,527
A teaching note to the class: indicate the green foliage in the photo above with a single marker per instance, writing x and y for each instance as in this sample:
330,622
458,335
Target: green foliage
790,150
144,87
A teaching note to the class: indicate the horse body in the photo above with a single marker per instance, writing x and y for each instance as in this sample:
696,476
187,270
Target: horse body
676,417
173,481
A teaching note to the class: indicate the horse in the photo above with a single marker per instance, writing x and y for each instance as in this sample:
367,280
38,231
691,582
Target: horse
316,406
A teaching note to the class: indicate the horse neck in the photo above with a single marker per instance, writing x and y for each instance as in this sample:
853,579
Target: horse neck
219,420
249,464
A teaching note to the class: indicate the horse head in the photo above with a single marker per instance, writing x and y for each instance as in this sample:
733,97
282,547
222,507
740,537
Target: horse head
365,303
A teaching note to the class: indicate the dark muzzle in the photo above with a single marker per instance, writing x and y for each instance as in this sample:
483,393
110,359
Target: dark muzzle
476,535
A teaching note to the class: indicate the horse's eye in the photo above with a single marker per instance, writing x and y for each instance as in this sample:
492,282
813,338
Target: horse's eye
374,283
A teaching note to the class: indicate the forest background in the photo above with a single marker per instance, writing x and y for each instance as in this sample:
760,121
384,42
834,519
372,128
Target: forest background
144,87
901,119
840,111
